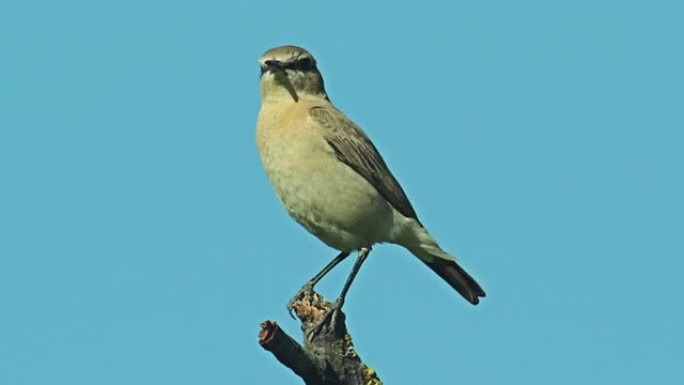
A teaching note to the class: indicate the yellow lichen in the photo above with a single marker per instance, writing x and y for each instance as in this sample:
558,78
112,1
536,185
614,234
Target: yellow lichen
370,377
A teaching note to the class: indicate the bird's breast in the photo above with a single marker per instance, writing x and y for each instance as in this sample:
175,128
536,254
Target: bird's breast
323,194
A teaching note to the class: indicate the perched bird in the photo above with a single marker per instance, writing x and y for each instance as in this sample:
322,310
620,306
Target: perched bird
331,178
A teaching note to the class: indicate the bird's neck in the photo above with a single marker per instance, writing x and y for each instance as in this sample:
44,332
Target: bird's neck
282,95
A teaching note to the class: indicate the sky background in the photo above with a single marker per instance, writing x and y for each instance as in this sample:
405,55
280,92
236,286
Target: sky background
541,142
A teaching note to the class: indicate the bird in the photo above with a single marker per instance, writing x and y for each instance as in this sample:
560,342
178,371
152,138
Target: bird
331,178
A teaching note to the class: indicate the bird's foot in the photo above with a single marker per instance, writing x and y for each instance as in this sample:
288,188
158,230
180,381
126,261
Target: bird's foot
327,318
306,290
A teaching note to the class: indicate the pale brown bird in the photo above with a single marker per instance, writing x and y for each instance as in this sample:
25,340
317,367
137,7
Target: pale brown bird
331,178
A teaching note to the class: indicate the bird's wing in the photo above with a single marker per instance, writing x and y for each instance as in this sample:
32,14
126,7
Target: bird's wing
353,148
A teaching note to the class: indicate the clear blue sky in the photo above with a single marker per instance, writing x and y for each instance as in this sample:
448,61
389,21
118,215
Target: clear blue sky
140,242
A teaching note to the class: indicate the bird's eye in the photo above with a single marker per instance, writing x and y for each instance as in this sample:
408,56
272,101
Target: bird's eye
305,64
302,65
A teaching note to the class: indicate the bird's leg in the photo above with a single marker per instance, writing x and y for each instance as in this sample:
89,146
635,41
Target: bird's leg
308,287
339,302
363,254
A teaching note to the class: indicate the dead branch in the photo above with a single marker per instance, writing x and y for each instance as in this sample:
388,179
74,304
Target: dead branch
326,358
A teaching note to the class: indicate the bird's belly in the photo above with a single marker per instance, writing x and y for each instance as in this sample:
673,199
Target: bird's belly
330,199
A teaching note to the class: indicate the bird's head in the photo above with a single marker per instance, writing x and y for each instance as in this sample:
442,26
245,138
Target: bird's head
290,71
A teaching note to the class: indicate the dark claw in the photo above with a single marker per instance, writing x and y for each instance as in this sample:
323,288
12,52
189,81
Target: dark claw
307,289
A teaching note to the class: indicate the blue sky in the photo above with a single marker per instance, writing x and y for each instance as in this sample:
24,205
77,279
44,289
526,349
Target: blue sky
140,242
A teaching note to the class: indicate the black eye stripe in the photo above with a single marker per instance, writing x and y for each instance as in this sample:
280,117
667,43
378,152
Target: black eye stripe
306,64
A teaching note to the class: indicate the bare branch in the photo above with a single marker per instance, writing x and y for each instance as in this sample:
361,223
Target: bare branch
328,357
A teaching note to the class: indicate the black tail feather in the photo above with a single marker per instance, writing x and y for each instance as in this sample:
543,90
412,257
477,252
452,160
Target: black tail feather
457,278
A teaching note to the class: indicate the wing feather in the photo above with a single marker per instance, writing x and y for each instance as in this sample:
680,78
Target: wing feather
354,148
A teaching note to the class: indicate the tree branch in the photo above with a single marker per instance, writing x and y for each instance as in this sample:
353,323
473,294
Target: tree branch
328,357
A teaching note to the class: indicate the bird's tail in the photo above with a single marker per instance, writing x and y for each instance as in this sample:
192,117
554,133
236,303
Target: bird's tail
446,267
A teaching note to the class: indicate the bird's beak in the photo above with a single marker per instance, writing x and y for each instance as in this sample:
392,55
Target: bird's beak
278,70
273,66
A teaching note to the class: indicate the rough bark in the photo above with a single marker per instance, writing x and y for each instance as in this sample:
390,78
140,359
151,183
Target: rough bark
327,357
